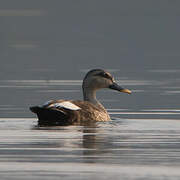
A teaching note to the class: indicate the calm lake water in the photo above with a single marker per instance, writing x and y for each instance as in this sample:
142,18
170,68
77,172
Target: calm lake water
47,47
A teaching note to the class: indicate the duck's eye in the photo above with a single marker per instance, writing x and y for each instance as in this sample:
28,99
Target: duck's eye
105,75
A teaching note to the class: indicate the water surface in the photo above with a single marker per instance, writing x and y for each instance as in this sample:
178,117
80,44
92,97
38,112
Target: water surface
126,148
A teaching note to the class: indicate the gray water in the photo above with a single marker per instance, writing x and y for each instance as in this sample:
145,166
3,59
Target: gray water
46,48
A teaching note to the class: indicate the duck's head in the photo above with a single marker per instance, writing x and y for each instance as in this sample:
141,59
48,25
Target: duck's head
98,79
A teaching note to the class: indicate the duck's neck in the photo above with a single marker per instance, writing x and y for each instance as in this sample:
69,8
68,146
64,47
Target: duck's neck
90,95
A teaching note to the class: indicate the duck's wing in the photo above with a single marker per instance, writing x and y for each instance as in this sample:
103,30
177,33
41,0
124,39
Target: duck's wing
59,112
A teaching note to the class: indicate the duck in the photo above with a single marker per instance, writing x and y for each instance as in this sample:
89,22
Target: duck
70,112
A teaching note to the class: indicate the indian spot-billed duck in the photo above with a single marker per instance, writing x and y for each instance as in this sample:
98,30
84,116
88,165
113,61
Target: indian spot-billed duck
69,112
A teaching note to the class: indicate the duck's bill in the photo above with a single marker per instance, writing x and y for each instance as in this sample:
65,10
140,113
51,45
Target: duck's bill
116,87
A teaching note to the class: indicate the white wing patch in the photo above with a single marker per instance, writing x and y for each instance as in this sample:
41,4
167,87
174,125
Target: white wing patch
65,104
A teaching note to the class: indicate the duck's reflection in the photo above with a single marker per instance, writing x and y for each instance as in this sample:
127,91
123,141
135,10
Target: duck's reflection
86,142
95,143
89,135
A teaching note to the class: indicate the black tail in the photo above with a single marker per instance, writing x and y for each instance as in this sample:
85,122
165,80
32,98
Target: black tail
35,109
50,117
